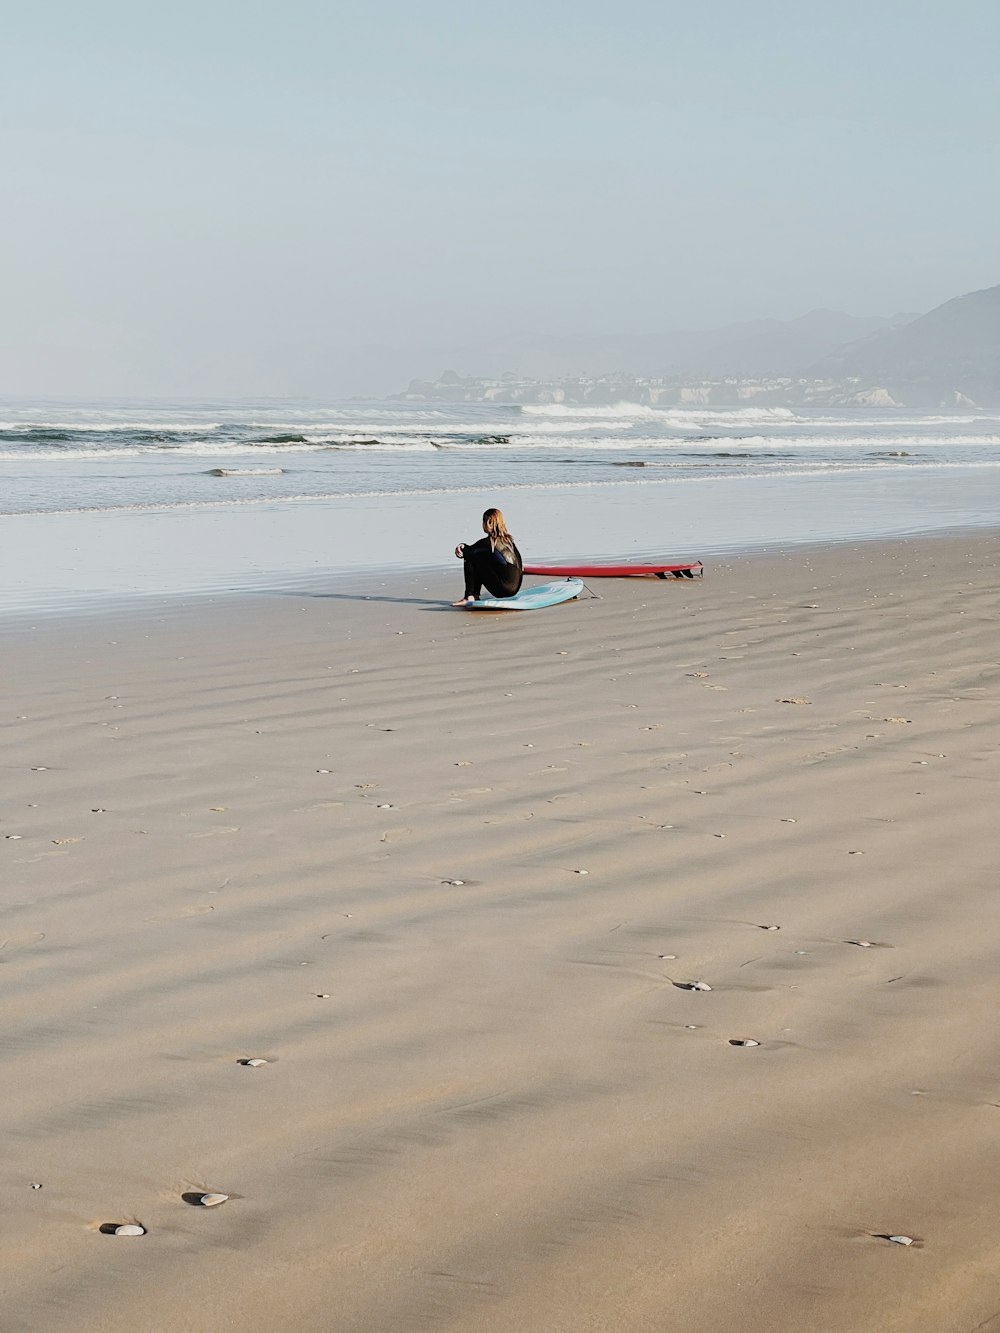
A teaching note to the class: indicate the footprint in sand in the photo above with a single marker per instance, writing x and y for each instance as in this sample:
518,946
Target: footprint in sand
22,941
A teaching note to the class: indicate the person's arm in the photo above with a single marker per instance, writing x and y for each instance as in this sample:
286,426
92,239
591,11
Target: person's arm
481,545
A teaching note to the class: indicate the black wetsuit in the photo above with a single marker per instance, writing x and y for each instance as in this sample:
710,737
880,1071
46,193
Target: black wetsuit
500,573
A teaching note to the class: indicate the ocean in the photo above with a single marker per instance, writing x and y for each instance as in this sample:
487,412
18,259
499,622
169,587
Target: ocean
246,491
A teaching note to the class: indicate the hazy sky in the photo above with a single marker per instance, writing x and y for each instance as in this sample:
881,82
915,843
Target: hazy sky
211,197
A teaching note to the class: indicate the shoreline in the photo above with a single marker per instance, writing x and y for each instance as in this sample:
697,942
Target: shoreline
429,586
54,562
450,878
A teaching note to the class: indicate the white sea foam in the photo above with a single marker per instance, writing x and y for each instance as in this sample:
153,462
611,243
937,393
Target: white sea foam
643,412
63,458
110,426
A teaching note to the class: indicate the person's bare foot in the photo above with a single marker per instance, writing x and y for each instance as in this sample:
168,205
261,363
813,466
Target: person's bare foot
464,601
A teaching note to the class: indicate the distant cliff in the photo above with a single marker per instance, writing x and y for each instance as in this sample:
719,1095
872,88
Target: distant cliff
763,347
947,358
950,355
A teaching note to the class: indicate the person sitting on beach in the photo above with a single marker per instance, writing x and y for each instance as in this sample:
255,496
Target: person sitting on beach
493,561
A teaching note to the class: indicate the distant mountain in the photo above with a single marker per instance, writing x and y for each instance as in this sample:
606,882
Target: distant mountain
950,355
757,347
947,358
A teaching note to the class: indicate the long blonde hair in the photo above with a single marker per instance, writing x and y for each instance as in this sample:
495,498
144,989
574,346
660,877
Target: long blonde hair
496,529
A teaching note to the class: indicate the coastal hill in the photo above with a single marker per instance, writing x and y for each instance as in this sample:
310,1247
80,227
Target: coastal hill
751,348
947,358
953,352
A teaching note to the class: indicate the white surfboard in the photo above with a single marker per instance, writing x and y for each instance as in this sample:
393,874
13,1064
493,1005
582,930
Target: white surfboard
531,599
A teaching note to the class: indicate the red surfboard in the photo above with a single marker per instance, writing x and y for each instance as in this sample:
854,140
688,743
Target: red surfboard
684,569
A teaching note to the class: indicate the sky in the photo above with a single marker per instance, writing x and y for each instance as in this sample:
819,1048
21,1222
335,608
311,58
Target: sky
320,198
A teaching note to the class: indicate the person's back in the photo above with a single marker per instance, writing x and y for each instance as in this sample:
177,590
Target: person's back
494,561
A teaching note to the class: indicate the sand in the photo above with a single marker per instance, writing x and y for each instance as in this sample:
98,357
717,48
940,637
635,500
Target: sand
449,875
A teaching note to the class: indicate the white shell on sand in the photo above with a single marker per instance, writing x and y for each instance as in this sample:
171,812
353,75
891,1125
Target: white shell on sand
212,1200
862,944
322,995
666,955
770,927
581,872
900,1240
130,1229
255,1063
699,985
455,883
743,1041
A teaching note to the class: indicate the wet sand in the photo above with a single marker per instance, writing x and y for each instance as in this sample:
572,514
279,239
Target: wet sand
452,876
